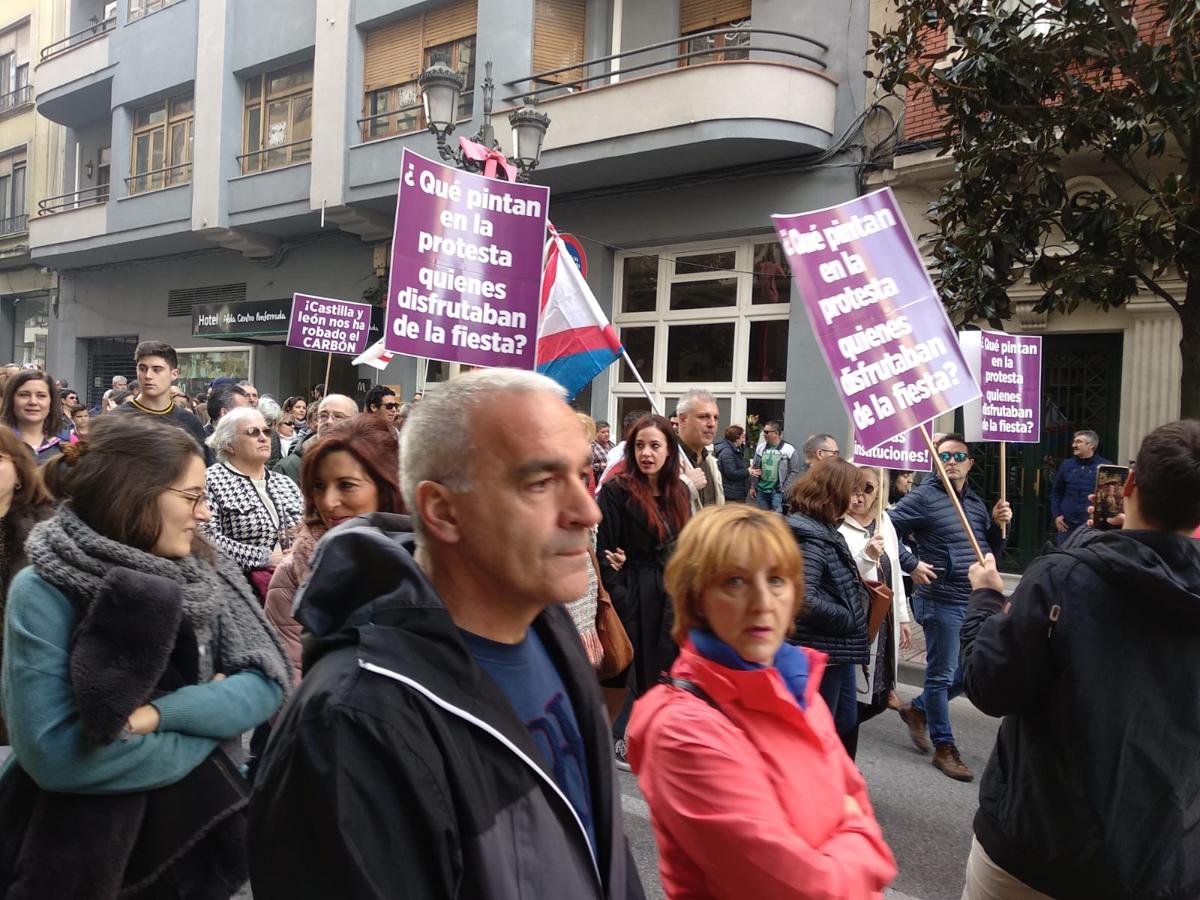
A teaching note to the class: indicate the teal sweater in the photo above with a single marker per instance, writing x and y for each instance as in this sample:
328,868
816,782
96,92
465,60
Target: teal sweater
44,728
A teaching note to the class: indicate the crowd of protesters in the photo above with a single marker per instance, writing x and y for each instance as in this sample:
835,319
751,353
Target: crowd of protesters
401,649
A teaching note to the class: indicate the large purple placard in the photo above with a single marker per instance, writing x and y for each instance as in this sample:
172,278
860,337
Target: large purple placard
908,452
1009,369
466,266
882,329
329,326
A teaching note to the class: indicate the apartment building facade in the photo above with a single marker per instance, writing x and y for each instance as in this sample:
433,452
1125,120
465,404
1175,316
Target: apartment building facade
28,147
233,152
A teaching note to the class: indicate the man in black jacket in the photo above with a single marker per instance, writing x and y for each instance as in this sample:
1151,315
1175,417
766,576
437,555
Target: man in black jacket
927,513
449,738
1093,788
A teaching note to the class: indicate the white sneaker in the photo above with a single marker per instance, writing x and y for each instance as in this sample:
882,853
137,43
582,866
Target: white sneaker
619,755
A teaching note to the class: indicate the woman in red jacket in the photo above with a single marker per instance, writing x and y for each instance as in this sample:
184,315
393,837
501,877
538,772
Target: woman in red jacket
750,790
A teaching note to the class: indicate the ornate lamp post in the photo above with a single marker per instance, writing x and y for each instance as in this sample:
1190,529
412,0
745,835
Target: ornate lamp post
441,88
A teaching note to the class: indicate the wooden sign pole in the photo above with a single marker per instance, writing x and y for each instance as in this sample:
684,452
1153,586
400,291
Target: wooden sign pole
328,368
1004,484
952,494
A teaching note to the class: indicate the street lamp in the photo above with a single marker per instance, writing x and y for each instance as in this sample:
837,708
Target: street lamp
441,88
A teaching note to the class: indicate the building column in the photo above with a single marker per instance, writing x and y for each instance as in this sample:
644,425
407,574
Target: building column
217,123
333,124
1151,372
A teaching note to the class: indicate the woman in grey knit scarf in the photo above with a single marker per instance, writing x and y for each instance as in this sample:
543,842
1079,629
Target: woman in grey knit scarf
136,660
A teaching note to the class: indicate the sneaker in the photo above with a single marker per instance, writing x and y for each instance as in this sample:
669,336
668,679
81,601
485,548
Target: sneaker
917,728
619,755
950,764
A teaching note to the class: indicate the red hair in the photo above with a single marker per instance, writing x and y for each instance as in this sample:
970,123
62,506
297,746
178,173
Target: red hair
667,513
372,442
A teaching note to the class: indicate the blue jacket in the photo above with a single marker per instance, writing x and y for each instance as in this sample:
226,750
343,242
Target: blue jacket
1074,480
735,474
833,617
927,513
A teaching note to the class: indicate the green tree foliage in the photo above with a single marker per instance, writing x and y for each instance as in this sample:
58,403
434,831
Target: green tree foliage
1034,92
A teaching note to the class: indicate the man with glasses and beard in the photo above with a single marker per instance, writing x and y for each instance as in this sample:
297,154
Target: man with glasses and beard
927,514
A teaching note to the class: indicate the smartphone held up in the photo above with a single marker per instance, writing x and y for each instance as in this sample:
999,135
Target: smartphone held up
1110,495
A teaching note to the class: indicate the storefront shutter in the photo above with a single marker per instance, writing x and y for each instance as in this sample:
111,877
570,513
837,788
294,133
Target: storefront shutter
697,15
558,30
393,54
451,22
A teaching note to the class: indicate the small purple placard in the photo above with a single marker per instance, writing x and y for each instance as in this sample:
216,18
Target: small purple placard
325,325
882,329
466,268
907,452
1009,369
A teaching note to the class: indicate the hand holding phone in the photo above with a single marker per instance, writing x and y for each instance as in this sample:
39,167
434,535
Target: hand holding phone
1109,508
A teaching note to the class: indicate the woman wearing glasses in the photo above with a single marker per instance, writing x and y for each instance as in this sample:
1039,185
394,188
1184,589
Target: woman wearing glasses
135,658
833,618
876,550
254,511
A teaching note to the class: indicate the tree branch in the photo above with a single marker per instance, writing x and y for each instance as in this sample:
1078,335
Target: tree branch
1158,289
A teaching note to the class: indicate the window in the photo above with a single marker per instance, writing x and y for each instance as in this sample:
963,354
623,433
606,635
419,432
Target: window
728,20
712,315
162,146
15,89
13,219
397,53
103,171
139,8
278,121
558,38
30,331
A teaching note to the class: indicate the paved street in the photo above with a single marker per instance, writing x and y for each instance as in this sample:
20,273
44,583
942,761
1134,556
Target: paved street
926,817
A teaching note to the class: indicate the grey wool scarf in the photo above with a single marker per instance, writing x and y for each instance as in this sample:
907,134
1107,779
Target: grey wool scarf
217,600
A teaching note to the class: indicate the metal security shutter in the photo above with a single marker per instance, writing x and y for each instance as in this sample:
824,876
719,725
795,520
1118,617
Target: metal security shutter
108,357
558,33
697,15
395,53
181,300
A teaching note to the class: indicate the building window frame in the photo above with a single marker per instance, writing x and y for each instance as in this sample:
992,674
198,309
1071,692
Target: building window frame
737,393
139,9
732,42
269,142
167,124
397,109
14,195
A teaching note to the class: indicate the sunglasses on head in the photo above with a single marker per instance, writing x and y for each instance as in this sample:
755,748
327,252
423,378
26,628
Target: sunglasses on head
958,456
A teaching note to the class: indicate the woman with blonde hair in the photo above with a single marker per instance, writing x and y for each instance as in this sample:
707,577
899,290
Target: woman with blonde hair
750,792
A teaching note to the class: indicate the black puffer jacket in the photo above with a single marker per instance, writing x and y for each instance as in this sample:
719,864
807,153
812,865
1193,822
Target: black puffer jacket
735,475
927,514
833,617
1092,790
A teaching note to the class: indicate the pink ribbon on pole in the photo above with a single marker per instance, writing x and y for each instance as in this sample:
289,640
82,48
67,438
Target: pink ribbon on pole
491,159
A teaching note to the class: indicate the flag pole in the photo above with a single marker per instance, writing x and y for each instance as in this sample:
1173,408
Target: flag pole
637,375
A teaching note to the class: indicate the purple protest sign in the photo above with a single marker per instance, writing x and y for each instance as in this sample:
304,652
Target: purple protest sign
907,452
329,326
882,329
1009,369
466,268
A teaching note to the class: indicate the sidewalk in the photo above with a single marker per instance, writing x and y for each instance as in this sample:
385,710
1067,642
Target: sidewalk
912,660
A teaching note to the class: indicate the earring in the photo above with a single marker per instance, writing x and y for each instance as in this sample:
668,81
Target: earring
18,486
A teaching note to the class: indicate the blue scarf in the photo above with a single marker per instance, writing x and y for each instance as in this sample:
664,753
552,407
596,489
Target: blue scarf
790,661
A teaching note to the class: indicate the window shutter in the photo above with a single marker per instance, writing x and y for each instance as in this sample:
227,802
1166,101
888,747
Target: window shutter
393,54
558,34
451,22
698,15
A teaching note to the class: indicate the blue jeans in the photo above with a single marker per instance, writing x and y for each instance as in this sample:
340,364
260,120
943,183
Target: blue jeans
839,690
942,623
771,500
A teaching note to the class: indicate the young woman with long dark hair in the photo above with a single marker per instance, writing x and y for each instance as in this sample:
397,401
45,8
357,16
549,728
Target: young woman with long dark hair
644,507
31,410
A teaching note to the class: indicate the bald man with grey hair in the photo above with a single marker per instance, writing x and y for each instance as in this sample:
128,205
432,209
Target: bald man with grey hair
449,737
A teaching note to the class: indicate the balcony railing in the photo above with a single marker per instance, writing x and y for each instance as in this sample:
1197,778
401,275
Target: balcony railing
14,224
276,157
90,196
156,179
22,96
408,120
71,41
542,85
